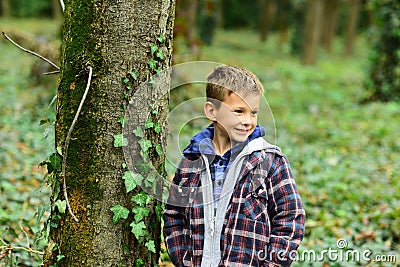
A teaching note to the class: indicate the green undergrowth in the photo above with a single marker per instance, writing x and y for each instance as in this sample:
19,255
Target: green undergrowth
344,154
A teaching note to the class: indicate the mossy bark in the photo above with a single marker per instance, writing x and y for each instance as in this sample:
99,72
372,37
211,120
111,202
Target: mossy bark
113,37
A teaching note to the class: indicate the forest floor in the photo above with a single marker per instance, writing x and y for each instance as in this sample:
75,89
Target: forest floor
344,155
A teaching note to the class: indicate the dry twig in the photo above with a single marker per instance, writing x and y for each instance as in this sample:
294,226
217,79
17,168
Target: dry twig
29,51
68,138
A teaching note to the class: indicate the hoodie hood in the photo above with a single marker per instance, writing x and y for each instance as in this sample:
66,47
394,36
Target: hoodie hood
201,143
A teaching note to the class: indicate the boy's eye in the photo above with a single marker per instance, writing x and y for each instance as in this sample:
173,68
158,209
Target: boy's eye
238,111
254,112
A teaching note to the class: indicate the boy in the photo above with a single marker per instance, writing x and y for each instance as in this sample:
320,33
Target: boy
233,200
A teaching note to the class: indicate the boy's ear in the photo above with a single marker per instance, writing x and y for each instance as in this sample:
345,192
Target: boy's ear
209,111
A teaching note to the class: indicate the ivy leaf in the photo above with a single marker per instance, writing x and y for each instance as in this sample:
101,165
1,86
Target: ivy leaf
152,64
59,151
138,229
153,49
149,124
160,55
139,263
145,144
130,182
40,212
133,74
159,149
119,212
125,80
151,246
122,120
61,205
139,132
141,199
157,128
120,140
55,161
161,38
140,213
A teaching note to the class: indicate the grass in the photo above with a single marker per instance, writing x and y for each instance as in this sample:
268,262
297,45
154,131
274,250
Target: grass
344,154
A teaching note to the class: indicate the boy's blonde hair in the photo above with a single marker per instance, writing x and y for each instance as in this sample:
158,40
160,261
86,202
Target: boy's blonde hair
225,80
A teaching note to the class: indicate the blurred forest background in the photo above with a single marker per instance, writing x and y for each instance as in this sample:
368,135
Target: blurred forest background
331,70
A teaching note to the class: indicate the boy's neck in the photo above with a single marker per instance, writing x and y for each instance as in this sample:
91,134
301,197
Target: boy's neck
221,144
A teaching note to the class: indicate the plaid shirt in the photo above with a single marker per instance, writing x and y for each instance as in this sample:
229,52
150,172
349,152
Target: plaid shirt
263,223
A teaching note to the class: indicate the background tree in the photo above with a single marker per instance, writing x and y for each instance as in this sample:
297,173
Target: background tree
312,33
352,23
331,11
384,81
266,17
116,39
5,8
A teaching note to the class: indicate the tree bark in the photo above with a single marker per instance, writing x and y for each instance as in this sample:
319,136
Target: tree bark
267,11
312,31
5,8
352,25
330,23
56,9
114,38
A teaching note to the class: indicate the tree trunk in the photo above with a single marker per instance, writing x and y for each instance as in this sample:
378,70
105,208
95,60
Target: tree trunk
330,23
352,25
312,31
267,11
114,38
56,9
5,8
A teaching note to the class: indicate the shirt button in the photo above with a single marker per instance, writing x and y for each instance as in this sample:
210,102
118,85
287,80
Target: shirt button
221,163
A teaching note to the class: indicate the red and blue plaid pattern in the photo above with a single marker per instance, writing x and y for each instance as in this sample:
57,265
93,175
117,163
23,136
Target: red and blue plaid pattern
263,223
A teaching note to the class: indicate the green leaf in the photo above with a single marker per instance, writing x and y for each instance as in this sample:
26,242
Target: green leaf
61,205
138,229
139,263
40,212
145,144
161,38
55,161
152,64
149,124
119,212
151,246
153,49
140,213
122,120
59,151
160,55
157,128
120,140
154,112
131,101
125,80
141,199
138,132
123,165
159,149
130,182
133,74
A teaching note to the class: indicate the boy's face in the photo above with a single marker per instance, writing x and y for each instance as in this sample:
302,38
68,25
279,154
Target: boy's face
235,119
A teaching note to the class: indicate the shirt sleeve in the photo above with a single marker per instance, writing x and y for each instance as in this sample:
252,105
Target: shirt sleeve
176,226
286,213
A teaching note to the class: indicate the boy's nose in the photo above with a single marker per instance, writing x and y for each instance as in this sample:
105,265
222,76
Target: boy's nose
245,119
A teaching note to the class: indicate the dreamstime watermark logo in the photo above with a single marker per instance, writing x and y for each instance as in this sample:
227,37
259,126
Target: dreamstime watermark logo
180,118
341,253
